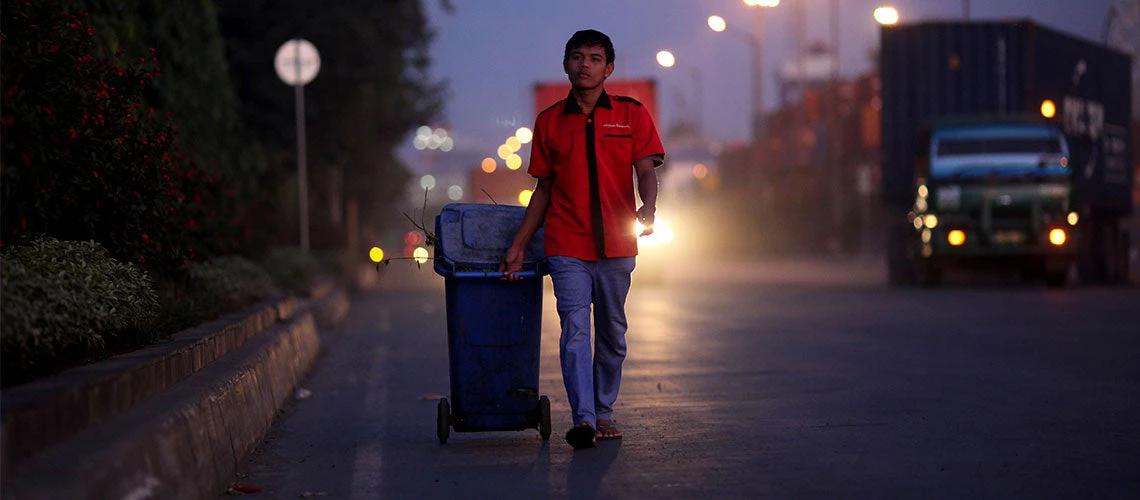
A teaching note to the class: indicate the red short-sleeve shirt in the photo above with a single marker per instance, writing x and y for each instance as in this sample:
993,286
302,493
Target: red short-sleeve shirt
582,221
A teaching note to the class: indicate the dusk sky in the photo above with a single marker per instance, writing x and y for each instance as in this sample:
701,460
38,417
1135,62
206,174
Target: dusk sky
491,52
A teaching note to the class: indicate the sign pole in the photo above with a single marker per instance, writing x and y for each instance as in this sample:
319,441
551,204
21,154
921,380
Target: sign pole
297,63
302,168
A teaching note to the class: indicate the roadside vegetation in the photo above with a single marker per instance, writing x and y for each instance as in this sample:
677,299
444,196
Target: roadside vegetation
144,192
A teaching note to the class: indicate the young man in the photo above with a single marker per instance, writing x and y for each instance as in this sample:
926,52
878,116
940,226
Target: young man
587,148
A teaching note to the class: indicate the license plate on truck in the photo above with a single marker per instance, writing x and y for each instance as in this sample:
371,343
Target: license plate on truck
1009,237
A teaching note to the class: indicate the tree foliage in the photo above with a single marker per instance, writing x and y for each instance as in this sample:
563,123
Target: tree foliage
196,88
83,156
373,88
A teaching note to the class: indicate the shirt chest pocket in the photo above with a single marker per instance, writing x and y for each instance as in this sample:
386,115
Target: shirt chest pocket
617,148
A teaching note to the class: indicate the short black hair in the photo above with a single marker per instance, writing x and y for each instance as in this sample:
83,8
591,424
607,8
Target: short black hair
589,38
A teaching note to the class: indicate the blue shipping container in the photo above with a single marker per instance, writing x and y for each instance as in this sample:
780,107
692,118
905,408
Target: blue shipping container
939,69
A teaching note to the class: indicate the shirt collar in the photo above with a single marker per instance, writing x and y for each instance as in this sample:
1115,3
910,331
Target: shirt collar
573,107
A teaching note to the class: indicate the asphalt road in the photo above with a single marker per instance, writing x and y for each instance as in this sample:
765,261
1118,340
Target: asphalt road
756,380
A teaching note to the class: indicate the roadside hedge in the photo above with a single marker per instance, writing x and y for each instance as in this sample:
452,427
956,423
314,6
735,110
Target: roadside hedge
68,303
207,290
84,157
64,301
291,268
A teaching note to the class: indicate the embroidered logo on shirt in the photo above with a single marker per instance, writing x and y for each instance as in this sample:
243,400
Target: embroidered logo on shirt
615,125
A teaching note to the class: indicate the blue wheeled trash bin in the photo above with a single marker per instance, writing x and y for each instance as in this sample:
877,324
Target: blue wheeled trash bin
493,325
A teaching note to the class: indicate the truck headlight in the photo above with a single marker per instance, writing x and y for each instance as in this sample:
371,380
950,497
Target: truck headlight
1057,237
956,237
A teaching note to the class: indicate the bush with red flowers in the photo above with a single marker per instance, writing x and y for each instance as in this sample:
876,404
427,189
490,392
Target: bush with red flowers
84,158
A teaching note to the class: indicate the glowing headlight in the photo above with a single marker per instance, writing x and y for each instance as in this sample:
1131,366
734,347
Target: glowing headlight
956,237
1073,218
1057,237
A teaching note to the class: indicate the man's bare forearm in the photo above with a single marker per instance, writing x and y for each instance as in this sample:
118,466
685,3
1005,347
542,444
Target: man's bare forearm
534,215
647,182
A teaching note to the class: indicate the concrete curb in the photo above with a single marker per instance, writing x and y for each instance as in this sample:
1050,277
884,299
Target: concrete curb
331,310
185,442
183,438
46,412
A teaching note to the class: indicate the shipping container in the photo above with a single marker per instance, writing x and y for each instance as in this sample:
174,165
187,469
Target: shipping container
1009,68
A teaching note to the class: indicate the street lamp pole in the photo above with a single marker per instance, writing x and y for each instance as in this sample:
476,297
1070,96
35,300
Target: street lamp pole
757,44
833,140
667,60
698,98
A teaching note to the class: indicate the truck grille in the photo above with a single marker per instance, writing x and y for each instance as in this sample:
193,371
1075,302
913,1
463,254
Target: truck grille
1010,217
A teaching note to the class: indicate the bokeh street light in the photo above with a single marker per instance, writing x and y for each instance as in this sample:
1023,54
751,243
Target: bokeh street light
666,59
504,152
429,138
455,192
489,165
886,15
421,255
717,24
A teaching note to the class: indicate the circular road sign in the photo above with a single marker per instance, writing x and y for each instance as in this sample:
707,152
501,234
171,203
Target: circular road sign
297,62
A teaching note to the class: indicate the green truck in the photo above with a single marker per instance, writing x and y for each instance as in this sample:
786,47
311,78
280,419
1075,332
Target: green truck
993,190
1008,143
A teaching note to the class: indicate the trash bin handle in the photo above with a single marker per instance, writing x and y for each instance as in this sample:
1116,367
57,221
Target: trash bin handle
492,274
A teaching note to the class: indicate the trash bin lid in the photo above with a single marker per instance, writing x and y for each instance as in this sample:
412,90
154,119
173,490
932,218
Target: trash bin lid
476,235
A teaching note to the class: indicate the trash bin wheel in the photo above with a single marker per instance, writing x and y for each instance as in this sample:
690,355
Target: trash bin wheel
544,418
442,421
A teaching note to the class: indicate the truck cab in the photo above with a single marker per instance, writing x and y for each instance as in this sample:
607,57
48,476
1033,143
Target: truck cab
993,192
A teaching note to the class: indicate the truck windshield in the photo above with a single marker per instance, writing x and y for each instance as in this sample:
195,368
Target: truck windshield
998,145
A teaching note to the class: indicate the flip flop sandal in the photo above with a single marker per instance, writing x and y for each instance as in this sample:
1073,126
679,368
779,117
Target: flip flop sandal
581,437
611,429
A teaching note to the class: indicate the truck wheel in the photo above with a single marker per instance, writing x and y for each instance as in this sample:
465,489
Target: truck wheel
1032,271
900,258
929,273
1057,278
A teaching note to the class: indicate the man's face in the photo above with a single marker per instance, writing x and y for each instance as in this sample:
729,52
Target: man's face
587,67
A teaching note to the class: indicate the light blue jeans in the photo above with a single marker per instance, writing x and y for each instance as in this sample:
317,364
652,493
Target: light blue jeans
592,381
